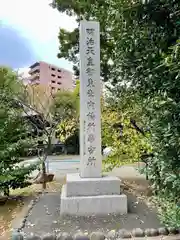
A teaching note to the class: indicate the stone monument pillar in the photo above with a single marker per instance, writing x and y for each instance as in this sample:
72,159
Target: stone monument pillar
88,192
90,93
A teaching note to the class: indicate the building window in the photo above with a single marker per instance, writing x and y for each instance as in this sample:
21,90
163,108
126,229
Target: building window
59,70
59,76
53,69
59,83
53,81
53,75
53,88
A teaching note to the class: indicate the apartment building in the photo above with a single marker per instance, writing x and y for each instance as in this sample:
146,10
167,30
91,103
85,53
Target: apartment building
51,76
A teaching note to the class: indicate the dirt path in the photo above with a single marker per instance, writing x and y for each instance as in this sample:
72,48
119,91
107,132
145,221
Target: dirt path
12,211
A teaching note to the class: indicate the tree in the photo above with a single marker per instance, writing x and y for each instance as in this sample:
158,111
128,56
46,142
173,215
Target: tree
14,134
148,55
69,126
46,110
124,128
141,40
126,27
39,111
151,31
137,37
69,41
66,104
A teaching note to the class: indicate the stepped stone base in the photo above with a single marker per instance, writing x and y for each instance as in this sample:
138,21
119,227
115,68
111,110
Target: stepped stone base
77,186
92,196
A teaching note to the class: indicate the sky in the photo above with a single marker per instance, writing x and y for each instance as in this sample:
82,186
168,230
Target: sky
29,33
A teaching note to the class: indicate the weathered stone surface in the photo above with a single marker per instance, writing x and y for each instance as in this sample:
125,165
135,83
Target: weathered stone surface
147,232
173,230
77,186
154,232
138,232
49,237
90,170
97,236
151,232
112,234
123,233
80,236
163,231
97,205
64,236
33,237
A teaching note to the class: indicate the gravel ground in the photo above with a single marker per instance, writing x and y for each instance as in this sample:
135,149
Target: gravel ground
45,218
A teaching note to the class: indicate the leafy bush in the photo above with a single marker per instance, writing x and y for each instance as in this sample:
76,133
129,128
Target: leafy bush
168,211
127,143
72,143
13,135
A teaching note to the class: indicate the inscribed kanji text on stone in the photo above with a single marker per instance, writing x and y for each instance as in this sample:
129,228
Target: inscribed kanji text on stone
90,91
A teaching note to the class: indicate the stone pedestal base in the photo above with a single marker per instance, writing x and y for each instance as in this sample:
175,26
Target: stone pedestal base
92,196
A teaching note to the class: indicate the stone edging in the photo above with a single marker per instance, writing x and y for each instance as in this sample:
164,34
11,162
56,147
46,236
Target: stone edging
121,234
29,208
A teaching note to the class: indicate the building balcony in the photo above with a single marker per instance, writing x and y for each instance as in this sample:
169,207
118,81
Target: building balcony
34,65
34,77
34,70
34,81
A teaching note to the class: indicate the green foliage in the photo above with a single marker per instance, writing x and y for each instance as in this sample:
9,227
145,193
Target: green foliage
163,167
66,128
76,91
76,95
129,141
69,47
168,211
67,104
140,49
13,134
72,142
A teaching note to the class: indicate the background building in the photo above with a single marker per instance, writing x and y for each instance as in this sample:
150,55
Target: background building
51,76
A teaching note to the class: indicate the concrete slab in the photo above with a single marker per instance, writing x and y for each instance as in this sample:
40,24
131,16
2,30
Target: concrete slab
77,186
92,205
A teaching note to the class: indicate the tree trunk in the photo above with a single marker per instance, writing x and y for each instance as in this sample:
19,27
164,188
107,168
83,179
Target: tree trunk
44,171
46,153
6,192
